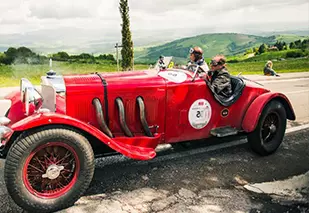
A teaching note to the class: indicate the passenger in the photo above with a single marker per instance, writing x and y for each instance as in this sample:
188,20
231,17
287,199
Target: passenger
219,78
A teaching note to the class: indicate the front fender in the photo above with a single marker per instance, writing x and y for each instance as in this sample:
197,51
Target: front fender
118,144
255,109
15,112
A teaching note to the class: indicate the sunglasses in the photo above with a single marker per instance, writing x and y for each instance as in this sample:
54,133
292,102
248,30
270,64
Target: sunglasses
191,50
214,63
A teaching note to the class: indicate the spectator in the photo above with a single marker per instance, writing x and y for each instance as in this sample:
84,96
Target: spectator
268,69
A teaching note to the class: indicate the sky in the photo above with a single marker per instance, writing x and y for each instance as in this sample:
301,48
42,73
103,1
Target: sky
72,22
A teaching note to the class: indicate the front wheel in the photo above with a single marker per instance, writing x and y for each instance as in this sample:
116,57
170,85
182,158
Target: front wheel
49,170
270,130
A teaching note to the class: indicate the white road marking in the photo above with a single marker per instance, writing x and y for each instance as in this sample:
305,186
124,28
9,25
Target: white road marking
284,80
297,128
293,92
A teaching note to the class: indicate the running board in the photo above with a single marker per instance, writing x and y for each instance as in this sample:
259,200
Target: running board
223,131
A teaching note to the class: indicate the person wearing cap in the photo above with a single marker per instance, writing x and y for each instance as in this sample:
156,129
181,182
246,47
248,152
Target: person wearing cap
196,57
219,78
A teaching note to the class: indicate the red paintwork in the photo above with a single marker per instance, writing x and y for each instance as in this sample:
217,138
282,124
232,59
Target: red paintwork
133,151
52,193
16,111
129,87
180,98
252,116
167,105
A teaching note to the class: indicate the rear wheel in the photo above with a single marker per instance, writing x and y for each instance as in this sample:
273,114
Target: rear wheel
49,170
270,130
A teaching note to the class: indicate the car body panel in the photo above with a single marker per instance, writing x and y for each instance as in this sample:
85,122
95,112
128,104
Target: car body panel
177,108
141,148
255,110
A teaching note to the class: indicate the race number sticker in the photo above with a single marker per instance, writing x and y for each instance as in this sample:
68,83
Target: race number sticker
199,114
173,76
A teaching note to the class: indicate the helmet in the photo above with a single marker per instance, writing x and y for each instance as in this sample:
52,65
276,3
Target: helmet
196,50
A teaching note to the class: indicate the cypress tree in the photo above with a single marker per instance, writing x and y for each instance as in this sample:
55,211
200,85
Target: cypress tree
127,44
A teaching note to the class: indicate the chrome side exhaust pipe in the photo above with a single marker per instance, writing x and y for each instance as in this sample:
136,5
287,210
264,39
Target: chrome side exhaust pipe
141,106
100,117
122,118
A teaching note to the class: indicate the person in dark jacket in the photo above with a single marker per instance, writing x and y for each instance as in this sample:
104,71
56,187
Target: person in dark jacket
219,78
268,69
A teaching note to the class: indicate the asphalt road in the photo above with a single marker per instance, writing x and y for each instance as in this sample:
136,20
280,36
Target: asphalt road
297,90
190,180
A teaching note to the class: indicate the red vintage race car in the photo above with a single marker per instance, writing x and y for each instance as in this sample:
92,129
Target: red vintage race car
51,137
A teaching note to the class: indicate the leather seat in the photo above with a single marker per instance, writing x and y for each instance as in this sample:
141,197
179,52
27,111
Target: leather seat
238,85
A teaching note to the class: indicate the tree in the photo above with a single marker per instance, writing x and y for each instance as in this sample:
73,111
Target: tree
255,50
292,45
280,45
262,48
298,44
10,55
127,44
61,56
248,51
305,44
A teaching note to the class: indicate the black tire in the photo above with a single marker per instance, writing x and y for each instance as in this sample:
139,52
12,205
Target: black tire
266,139
22,150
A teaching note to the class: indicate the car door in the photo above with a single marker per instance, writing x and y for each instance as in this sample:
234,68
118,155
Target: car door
191,111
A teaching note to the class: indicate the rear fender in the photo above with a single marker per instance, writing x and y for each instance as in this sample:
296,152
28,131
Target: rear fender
254,111
118,144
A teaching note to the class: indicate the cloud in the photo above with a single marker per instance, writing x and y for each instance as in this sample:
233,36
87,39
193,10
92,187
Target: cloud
96,19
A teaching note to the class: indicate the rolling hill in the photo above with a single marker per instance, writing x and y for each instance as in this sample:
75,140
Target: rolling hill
212,44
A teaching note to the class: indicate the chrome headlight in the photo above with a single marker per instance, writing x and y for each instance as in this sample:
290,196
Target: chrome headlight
4,121
5,132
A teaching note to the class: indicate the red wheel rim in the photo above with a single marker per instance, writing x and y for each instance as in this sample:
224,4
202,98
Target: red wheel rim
51,170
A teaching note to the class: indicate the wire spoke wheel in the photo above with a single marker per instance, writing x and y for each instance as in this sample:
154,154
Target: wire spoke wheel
269,132
51,170
269,127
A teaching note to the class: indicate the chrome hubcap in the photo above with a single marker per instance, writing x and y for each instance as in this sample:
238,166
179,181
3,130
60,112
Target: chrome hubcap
53,172
272,128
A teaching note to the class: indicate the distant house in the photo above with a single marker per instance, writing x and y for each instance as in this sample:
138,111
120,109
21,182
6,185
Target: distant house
273,48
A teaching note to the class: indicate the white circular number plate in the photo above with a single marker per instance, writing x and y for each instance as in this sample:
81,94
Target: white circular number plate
199,114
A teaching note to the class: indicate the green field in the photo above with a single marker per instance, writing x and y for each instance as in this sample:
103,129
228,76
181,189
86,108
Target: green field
11,75
277,55
289,65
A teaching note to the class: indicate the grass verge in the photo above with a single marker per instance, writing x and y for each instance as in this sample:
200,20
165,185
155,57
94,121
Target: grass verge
11,75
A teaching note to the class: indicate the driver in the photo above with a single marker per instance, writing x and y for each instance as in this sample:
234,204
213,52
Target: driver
219,77
196,57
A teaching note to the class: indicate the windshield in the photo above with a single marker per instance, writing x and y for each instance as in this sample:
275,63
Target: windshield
33,92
